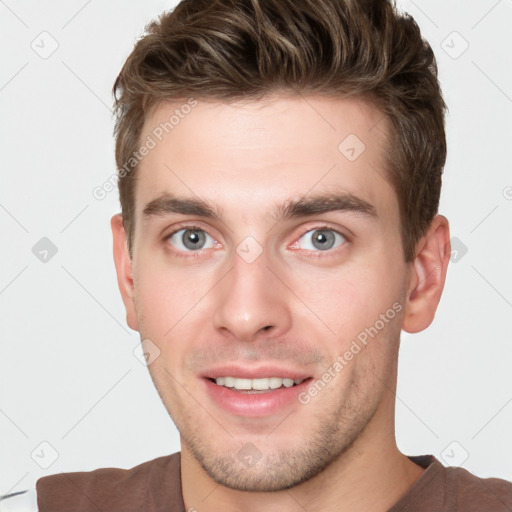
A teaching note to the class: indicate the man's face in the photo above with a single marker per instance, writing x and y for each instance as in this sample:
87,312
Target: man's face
277,252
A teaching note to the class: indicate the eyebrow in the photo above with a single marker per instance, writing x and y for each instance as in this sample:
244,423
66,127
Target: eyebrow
168,204
315,205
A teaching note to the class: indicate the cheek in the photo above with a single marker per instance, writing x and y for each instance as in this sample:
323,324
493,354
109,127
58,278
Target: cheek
164,296
350,297
174,310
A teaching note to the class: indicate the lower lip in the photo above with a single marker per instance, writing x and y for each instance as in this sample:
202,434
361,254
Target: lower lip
255,404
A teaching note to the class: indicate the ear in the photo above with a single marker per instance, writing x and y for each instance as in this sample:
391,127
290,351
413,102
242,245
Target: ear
427,276
124,272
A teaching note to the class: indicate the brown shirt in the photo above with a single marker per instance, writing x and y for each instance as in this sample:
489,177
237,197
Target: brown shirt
155,486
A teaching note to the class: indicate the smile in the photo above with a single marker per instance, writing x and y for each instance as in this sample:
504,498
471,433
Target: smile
256,397
257,385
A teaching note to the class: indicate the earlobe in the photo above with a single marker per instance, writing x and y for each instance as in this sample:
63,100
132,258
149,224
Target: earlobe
427,277
124,270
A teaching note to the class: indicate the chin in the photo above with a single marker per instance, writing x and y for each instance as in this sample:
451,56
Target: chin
244,467
268,474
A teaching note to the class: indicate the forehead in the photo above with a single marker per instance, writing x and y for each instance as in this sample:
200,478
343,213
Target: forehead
256,154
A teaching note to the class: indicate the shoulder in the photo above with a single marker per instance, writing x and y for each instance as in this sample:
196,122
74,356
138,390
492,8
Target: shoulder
115,488
454,489
471,492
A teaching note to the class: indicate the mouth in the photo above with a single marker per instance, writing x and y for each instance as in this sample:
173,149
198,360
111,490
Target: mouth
255,386
256,396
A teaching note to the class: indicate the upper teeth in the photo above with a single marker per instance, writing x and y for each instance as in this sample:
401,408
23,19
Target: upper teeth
258,384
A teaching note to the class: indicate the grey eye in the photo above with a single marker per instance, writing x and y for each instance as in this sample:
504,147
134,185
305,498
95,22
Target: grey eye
321,240
191,240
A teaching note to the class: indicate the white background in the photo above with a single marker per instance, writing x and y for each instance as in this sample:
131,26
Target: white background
68,373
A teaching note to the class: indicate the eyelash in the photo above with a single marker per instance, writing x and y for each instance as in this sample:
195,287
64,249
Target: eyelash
199,252
184,254
330,252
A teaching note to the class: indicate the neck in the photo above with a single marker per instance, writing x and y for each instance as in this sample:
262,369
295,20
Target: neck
371,475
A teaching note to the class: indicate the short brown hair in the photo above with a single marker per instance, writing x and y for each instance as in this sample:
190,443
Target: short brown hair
247,49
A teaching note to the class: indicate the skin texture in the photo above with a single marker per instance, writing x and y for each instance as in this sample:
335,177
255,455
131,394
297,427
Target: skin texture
294,306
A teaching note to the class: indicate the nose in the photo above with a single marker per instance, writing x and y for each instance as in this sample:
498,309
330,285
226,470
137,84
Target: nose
251,301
